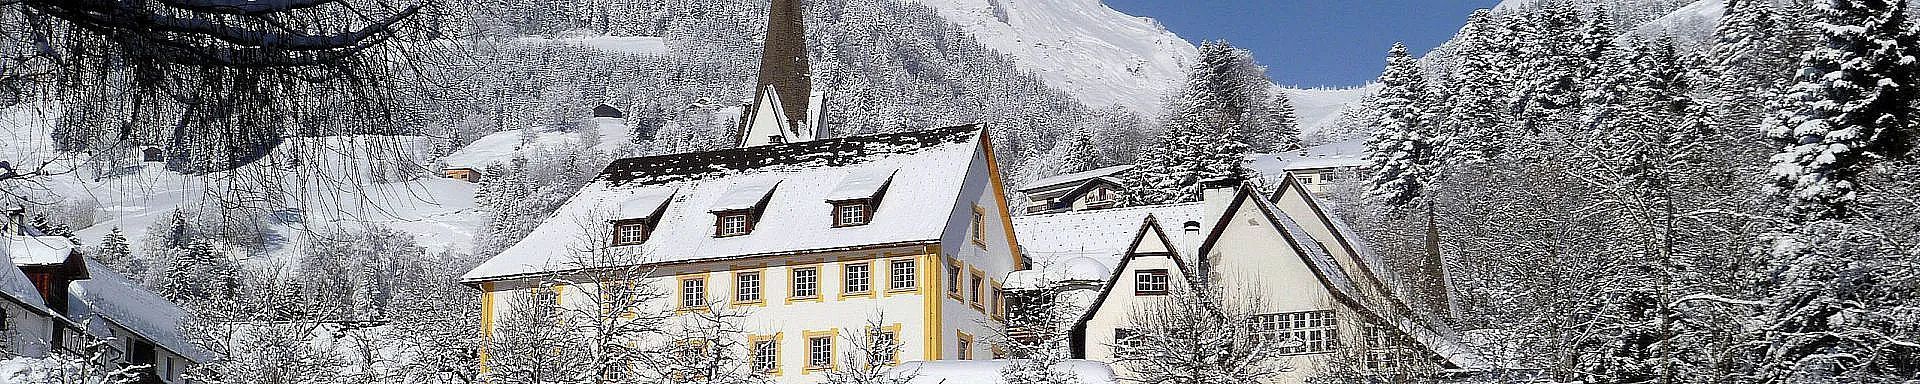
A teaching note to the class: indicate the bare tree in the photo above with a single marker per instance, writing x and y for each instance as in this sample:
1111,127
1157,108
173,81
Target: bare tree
871,356
1195,336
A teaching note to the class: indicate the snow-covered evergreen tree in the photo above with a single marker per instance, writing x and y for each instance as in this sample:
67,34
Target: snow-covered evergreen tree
1474,124
1401,150
1852,106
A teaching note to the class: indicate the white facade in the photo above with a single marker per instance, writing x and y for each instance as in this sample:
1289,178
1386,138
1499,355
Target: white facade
1311,280
936,209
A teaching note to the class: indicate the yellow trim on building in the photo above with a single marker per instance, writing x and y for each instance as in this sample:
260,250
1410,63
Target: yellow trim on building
955,270
1000,198
819,290
775,338
680,291
976,295
895,330
966,340
931,260
833,350
997,307
846,278
486,323
733,293
915,279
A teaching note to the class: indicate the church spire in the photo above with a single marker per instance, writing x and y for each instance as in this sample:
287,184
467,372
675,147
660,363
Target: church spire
783,63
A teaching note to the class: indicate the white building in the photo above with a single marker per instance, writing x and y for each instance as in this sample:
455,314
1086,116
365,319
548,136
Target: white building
1314,167
813,239
54,300
1078,191
1318,282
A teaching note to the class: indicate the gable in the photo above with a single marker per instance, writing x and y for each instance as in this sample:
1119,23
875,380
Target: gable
1254,256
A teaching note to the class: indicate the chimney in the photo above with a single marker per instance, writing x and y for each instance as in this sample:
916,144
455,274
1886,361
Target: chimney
1216,195
16,223
783,62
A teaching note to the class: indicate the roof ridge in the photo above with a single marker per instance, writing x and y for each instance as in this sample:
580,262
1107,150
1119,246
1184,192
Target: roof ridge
837,152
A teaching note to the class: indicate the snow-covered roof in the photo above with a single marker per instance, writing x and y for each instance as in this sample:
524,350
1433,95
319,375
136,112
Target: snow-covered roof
110,297
931,167
37,250
1339,154
744,194
14,283
1078,269
499,147
1075,178
988,371
1101,234
861,184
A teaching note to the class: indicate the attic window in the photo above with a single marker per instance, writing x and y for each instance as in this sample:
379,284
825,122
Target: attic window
857,195
851,213
734,223
736,212
639,214
629,232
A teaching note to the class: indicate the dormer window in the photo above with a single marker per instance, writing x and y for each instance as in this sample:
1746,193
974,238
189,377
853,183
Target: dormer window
639,214
629,232
850,214
738,210
857,195
733,224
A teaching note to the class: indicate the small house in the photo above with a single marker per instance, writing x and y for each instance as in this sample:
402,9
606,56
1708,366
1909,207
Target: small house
1078,191
463,174
152,154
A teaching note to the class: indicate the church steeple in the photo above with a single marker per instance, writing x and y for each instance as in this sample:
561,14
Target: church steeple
785,106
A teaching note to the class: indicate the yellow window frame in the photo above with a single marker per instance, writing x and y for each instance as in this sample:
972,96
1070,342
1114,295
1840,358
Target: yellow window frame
733,294
844,277
680,290
756,339
833,350
915,278
977,282
955,286
819,290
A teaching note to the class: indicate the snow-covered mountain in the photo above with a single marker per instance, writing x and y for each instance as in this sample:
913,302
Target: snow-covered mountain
1100,55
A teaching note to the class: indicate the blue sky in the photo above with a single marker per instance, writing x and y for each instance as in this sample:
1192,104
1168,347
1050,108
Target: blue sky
1312,43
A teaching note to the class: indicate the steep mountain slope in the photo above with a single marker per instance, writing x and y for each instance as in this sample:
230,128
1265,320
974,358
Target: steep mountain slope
1100,55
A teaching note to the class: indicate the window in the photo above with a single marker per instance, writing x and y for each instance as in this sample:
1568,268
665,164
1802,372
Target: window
733,224
1301,332
629,233
746,287
1126,338
902,276
850,214
965,346
886,344
1388,349
998,306
979,225
953,278
1149,282
693,292
766,354
859,278
545,300
820,352
1304,179
974,286
614,298
806,282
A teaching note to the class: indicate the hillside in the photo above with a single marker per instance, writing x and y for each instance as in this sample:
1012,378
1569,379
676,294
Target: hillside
1101,56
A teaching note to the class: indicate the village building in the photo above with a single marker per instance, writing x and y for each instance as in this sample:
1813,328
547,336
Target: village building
1320,286
1077,191
55,300
1316,167
813,239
